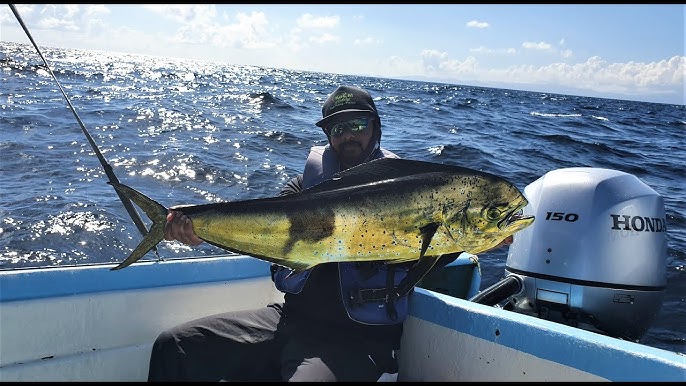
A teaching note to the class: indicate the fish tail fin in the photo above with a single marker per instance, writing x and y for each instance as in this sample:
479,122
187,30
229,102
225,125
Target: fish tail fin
155,211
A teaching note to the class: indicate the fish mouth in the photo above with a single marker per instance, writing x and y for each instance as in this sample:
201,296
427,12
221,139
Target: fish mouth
516,216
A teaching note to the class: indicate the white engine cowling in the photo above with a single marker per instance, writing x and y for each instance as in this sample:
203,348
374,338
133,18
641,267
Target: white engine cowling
595,257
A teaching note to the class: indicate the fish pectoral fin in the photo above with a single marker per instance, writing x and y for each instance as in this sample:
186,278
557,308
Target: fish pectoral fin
423,265
416,273
157,214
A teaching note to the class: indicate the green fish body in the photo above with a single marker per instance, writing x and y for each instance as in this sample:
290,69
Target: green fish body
393,210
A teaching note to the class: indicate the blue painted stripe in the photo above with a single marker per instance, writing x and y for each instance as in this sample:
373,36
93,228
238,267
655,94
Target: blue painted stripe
607,357
36,283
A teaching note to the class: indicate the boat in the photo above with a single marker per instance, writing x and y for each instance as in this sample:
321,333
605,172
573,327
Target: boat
550,318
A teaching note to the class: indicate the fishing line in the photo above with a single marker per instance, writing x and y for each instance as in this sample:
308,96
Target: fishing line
108,169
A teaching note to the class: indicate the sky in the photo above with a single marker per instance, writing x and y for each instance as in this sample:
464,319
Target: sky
629,52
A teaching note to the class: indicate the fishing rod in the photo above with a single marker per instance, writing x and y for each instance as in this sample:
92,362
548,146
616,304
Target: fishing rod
108,169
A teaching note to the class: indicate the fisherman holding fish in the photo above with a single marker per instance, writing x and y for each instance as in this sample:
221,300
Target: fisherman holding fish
339,321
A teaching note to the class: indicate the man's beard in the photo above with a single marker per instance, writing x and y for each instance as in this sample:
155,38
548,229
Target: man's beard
350,161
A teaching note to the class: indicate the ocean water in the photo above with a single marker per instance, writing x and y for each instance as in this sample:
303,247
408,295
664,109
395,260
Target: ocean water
193,132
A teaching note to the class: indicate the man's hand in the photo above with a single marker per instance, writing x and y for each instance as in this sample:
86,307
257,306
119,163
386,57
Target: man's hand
180,227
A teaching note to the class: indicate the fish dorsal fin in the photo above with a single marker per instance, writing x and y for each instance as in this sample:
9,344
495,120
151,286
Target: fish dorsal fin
385,169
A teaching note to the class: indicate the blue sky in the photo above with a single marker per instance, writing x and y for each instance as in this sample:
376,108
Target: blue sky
633,52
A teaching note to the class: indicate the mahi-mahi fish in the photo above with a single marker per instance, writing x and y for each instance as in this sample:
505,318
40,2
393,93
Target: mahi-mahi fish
391,210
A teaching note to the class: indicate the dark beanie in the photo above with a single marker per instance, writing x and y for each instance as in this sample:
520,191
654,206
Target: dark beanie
347,101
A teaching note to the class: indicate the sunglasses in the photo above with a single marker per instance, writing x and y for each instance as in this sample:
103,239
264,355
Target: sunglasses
356,125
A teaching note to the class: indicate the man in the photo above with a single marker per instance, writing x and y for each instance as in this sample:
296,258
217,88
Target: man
329,327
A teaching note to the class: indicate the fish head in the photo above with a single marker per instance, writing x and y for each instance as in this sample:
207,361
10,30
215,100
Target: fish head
491,211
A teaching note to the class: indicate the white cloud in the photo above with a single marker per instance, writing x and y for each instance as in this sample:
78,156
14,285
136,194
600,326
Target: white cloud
249,31
310,21
54,23
432,59
26,11
485,50
62,11
186,14
594,74
541,46
67,17
397,65
481,50
459,68
437,63
477,24
324,39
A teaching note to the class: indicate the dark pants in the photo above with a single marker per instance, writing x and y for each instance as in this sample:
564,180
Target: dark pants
261,345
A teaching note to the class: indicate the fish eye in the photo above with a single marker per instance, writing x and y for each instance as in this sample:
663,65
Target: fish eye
493,213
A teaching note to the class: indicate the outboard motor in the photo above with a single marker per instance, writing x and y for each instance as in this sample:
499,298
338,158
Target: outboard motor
594,258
